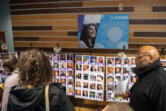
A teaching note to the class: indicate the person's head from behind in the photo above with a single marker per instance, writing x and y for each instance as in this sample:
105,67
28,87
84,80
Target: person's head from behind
117,107
10,63
35,68
146,56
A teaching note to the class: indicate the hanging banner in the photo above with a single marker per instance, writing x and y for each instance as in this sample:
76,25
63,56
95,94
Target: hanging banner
103,31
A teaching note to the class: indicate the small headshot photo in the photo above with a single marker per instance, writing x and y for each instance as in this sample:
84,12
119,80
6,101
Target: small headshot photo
110,70
86,59
110,79
69,65
92,94
100,69
70,73
100,60
86,68
88,35
92,77
62,73
99,87
110,61
70,90
56,57
62,57
100,95
99,78
110,87
70,82
118,61
126,70
133,61
63,82
92,85
163,63
78,66
110,96
56,65
63,65
93,68
118,78
78,59
78,84
118,70
69,57
86,76
85,93
133,79
127,62
93,60
78,92
56,73
85,84
78,76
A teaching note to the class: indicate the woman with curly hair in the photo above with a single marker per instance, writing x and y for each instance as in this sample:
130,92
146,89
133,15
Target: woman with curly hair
34,77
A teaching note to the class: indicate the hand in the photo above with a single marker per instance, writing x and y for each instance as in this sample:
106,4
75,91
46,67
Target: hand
123,95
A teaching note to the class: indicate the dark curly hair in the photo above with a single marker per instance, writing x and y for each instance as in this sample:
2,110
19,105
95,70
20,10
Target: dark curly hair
10,63
35,68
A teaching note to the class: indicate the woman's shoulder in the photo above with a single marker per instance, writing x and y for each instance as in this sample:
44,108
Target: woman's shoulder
82,44
57,87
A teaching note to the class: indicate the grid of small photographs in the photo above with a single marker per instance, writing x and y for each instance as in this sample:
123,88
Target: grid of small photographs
3,74
163,63
118,70
63,71
89,77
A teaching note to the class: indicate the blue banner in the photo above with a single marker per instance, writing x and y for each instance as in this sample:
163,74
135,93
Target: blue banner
104,31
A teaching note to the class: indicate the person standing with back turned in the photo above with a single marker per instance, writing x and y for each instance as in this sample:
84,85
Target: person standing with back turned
10,64
35,75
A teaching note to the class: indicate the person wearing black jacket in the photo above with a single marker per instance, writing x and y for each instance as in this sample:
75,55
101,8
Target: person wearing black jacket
149,91
35,72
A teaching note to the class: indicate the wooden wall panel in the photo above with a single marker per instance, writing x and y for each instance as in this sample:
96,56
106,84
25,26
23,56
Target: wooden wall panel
46,5
44,44
125,3
43,16
72,10
43,23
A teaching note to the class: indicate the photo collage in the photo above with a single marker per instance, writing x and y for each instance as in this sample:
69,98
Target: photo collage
3,74
89,77
118,70
163,63
63,71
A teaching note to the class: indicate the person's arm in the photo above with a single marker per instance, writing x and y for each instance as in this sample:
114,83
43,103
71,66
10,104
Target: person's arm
123,95
5,97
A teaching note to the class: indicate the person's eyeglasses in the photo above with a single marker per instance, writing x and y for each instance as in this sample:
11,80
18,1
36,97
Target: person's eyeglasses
139,56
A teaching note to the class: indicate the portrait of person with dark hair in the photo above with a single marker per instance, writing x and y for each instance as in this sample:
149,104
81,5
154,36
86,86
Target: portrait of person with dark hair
88,36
